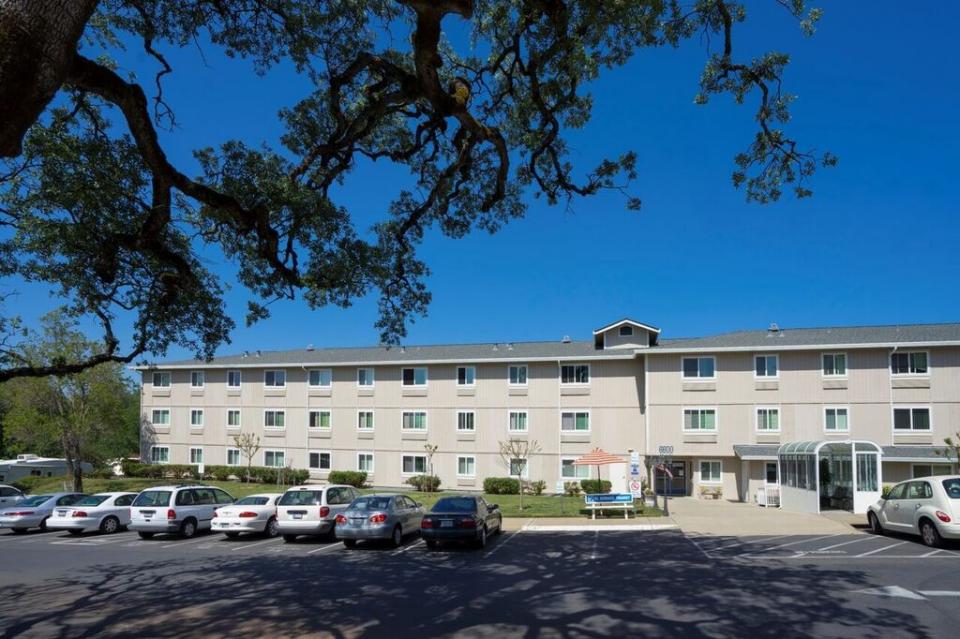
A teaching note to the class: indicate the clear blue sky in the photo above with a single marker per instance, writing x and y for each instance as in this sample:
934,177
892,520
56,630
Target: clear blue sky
877,86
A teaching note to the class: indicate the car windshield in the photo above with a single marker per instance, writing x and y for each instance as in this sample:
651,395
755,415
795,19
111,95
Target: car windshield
36,500
455,505
300,498
252,501
152,498
952,487
371,503
92,500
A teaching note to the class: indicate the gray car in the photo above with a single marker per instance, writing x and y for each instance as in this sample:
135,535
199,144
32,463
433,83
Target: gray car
34,510
9,496
379,516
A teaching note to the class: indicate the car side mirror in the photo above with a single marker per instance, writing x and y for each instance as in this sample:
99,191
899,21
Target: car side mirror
419,505
493,506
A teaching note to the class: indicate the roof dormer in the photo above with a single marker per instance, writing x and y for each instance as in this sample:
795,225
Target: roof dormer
625,334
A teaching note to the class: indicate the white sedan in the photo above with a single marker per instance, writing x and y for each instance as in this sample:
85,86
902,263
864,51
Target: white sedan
925,506
105,512
251,514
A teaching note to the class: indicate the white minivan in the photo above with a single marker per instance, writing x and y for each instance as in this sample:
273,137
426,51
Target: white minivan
312,510
181,510
925,506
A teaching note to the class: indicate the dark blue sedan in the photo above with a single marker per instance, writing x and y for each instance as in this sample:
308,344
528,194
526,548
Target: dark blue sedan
461,518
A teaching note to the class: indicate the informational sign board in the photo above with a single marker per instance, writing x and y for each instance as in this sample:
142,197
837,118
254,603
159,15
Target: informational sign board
200,469
559,487
636,489
665,451
609,498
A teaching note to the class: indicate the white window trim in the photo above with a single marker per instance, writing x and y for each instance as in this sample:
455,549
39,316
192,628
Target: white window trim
846,366
756,420
239,376
526,468
373,377
152,448
526,376
415,385
575,364
203,418
575,411
320,452
474,429
912,430
190,455
564,458
226,458
169,417
713,482
203,378
359,412
319,411
698,378
227,418
525,412
373,461
274,410
762,378
275,450
908,374
471,385
319,371
426,464
275,370
426,420
699,431
474,458
839,407
153,378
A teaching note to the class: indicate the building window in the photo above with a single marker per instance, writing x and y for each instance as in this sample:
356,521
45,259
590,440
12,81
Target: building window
318,460
931,470
575,422
766,365
699,367
913,418
700,419
196,379
520,467
768,420
466,466
196,418
575,374
626,331
518,375
465,421
909,363
414,376
414,464
517,421
275,379
321,378
196,456
414,420
365,377
233,379
161,380
160,417
233,457
771,468
365,420
319,419
834,365
274,419
836,420
711,472
569,471
233,418
160,454
466,375
274,458
365,462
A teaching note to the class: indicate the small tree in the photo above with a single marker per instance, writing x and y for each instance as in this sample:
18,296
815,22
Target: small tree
249,445
519,451
431,450
952,449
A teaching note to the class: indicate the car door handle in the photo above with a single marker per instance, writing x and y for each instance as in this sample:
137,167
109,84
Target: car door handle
916,506
896,506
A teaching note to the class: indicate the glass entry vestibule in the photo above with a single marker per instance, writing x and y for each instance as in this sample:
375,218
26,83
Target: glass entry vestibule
829,475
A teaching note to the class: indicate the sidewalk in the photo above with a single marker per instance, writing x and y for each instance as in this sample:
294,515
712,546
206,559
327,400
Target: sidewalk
728,518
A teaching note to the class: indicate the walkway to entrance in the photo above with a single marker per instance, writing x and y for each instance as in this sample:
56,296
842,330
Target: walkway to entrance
721,517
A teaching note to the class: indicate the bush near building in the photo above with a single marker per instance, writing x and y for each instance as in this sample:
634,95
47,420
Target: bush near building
260,474
355,478
501,486
595,486
424,483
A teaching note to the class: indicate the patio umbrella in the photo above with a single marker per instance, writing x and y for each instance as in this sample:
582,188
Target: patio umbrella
598,457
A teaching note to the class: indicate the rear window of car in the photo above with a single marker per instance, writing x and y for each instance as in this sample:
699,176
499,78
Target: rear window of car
455,505
92,500
952,488
252,501
36,500
152,498
300,498
371,503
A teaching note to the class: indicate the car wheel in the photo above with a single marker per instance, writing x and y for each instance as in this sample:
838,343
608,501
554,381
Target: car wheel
188,528
110,525
874,522
499,525
145,535
43,525
482,541
289,538
232,535
397,538
75,532
350,543
930,534
431,544
272,529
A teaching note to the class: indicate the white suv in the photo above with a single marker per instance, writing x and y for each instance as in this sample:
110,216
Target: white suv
176,509
312,510
925,506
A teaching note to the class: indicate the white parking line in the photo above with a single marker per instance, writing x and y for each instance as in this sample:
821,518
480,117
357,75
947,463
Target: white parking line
325,548
751,541
259,543
846,543
506,539
406,548
199,539
698,547
792,543
881,549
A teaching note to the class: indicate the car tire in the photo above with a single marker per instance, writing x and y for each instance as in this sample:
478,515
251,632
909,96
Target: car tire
188,528
482,540
145,535
289,539
874,522
499,526
431,544
929,534
19,531
350,543
43,525
109,525
75,532
232,535
396,537
272,529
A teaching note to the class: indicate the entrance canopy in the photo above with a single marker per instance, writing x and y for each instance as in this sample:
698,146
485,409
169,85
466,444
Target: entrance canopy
825,474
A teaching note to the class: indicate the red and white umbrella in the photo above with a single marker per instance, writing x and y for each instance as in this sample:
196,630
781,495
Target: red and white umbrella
598,457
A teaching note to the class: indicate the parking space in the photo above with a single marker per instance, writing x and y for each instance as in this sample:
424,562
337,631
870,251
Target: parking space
854,546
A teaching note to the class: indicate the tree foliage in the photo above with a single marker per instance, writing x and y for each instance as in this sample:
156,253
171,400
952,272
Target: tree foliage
480,119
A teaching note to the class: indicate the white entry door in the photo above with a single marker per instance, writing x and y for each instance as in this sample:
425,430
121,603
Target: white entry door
867,480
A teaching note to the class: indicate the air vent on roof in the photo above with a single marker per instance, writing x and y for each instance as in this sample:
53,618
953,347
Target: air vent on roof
496,347
509,347
258,353
310,347
566,339
403,349
773,329
246,353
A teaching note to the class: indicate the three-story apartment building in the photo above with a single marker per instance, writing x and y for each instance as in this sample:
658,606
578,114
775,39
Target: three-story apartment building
723,403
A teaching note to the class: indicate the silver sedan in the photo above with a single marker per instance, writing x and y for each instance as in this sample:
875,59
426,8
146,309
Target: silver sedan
33,511
383,516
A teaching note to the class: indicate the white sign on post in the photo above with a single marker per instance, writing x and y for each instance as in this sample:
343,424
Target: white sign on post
559,487
636,489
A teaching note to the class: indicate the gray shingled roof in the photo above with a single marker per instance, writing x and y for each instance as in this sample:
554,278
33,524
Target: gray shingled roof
818,337
890,453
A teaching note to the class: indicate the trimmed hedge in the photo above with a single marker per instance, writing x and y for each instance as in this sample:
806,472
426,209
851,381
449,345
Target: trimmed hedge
27,484
425,483
355,478
501,486
261,474
594,486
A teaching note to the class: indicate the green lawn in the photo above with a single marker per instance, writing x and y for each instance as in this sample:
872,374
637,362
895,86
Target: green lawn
533,505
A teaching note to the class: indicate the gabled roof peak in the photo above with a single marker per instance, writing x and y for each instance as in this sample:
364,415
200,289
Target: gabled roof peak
627,320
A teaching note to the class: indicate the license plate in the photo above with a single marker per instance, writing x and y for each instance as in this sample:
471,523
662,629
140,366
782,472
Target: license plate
297,516
446,524
357,521
62,513
147,513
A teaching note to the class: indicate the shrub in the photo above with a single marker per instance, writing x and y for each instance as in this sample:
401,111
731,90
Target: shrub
594,486
885,491
538,487
104,472
425,483
354,478
29,484
571,488
501,486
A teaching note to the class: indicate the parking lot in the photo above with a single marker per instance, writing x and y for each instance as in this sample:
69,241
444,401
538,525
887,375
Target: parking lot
530,584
